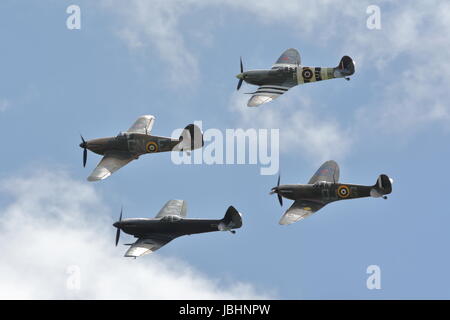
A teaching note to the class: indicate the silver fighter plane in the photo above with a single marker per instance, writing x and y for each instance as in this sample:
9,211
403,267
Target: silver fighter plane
288,72
171,223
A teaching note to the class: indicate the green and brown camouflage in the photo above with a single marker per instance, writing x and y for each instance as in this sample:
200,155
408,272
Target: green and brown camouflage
324,188
171,223
130,145
288,72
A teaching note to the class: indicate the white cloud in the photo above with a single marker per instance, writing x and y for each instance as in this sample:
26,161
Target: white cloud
155,25
407,59
410,55
54,222
301,130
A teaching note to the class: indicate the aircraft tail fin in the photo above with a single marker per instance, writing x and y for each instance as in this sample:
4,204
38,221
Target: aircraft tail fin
345,68
231,220
191,138
382,187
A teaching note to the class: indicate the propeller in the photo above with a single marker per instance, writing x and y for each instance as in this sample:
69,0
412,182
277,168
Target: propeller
83,145
275,190
240,76
118,229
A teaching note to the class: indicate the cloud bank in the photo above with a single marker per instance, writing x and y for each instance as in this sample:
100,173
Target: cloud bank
57,243
319,138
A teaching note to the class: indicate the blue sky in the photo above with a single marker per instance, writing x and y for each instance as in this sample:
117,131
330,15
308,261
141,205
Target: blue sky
178,61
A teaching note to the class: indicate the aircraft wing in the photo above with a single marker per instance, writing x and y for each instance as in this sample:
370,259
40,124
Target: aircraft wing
173,208
267,93
299,210
143,124
329,172
290,57
147,245
111,162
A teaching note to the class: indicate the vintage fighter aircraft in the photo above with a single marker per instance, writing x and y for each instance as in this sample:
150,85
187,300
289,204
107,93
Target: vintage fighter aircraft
287,73
127,146
171,223
324,188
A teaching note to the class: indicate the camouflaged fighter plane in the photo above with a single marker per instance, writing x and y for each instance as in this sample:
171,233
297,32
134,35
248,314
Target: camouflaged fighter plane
324,188
127,146
171,223
287,73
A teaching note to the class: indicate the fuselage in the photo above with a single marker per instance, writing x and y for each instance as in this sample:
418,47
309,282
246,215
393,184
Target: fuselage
134,143
289,75
173,225
323,192
280,77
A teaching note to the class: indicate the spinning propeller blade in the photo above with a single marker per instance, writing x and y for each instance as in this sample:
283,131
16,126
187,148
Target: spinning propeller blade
280,199
118,229
275,190
83,145
240,79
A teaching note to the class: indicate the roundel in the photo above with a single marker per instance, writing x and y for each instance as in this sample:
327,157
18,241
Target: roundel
152,146
307,73
343,191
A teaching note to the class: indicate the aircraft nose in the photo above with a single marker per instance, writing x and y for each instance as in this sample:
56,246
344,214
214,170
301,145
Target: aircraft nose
116,224
240,76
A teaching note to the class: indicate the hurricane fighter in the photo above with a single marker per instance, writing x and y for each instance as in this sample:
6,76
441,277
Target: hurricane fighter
136,141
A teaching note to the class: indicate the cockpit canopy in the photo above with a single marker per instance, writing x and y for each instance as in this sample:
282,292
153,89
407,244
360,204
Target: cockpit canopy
171,218
122,134
321,184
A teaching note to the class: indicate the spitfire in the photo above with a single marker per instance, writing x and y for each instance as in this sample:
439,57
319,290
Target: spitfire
324,188
287,72
171,223
127,146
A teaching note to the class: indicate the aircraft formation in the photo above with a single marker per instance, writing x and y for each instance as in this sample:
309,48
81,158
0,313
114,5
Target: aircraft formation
171,222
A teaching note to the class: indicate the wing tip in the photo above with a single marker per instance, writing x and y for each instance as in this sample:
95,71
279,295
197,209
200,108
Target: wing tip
256,102
92,178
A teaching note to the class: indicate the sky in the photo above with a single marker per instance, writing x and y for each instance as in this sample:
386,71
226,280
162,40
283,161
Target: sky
177,60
